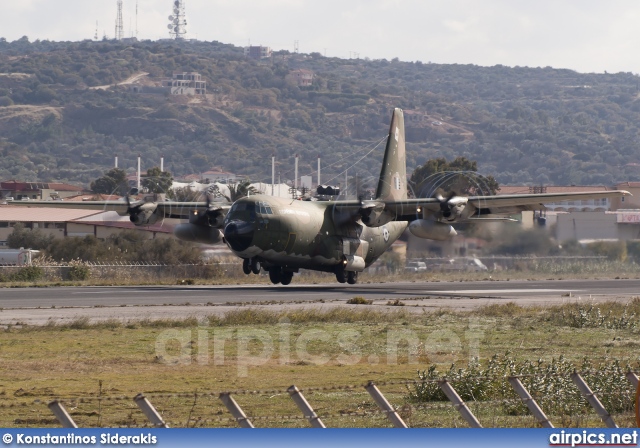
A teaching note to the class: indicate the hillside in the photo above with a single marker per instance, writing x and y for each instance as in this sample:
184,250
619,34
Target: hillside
66,108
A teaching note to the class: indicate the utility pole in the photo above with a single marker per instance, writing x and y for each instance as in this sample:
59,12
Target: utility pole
138,183
273,171
295,179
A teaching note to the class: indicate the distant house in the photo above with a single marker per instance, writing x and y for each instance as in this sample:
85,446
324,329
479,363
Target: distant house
215,174
73,222
186,83
257,52
37,190
632,202
301,77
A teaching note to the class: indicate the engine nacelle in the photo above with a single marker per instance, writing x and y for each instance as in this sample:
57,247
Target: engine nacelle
432,230
144,214
376,216
198,234
211,218
453,209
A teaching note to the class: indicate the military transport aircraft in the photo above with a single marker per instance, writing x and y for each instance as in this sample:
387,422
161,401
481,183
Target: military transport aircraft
282,236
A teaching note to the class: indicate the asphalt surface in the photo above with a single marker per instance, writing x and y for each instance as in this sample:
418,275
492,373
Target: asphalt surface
36,306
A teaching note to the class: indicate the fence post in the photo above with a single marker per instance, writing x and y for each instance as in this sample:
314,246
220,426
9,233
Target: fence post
530,402
593,400
147,408
61,414
385,405
235,410
305,407
633,379
460,405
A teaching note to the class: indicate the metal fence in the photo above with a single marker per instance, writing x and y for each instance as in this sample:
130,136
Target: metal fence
314,419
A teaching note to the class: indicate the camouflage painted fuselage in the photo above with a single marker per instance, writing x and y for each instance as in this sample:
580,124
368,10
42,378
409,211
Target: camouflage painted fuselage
312,235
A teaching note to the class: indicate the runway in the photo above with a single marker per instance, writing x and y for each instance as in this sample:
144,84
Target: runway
37,305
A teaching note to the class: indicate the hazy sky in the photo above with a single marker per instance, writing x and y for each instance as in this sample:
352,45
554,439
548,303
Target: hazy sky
583,35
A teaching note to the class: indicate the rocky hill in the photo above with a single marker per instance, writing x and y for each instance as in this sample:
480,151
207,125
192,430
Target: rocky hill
66,108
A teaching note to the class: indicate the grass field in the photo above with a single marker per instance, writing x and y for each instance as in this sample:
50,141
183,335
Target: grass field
182,366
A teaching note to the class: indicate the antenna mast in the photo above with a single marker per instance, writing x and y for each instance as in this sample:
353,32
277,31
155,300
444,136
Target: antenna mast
178,20
119,26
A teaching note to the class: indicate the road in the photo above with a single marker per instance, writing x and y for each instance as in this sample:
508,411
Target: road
37,305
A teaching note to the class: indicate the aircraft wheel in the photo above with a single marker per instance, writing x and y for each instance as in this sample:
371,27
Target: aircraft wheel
246,266
255,266
352,277
341,275
286,277
275,274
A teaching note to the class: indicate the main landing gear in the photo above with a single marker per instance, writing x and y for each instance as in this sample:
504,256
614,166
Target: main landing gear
250,265
279,275
343,276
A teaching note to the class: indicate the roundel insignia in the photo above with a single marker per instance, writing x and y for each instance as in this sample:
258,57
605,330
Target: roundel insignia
385,234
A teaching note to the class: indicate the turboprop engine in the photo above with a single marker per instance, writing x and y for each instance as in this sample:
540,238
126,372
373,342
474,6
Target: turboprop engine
203,227
432,230
198,234
453,207
373,214
143,214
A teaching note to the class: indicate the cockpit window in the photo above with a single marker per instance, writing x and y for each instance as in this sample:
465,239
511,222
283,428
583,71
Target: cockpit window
264,208
242,211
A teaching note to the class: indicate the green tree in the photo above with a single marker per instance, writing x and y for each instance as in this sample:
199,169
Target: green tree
459,176
186,194
114,181
240,190
27,238
157,181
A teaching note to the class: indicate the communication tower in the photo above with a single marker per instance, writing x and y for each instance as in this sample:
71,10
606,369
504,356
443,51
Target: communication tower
178,20
119,26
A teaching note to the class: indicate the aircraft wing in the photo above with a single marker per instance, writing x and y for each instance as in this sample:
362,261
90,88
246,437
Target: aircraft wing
376,212
166,209
495,205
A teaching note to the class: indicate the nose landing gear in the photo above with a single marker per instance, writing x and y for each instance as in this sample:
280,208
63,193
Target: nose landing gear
250,265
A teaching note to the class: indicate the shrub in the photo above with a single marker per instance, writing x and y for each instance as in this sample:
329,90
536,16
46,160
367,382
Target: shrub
27,274
359,301
79,271
545,381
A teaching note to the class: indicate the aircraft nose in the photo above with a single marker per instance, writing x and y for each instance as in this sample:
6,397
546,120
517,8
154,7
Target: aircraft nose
239,235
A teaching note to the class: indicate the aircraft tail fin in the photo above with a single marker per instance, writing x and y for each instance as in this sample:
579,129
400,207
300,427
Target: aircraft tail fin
392,185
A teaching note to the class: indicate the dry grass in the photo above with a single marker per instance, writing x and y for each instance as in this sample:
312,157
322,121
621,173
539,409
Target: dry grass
81,361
